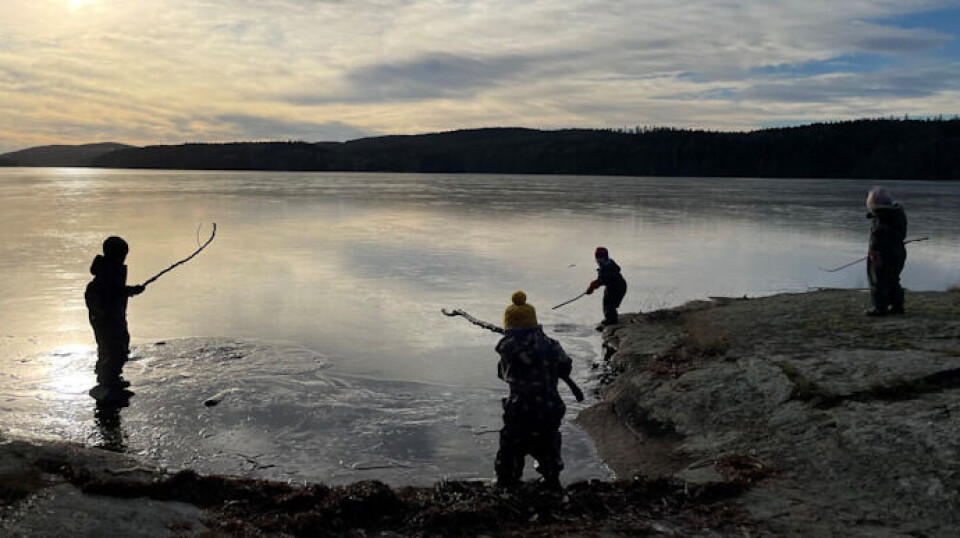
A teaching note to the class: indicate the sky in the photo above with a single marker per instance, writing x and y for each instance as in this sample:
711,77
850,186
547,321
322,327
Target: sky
174,71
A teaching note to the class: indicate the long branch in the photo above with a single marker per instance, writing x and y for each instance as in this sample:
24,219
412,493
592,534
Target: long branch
471,319
854,262
577,393
185,260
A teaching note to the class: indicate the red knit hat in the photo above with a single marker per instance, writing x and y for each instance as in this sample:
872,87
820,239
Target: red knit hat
601,252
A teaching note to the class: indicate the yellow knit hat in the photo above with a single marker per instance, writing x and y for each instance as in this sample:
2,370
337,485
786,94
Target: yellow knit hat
519,314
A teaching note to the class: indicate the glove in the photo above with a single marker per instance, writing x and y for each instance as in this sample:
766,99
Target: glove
137,290
593,286
875,258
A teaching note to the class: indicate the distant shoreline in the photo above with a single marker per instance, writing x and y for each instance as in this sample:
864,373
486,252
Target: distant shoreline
881,149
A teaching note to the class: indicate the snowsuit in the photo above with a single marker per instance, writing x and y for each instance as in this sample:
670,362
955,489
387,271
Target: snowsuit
615,287
531,363
886,257
106,297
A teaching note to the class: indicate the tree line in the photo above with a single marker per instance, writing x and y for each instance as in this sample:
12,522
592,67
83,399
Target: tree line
868,148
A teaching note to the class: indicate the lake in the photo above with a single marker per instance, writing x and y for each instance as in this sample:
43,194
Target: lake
314,316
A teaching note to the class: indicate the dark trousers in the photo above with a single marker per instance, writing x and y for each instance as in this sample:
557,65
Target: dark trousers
113,349
530,428
885,289
612,297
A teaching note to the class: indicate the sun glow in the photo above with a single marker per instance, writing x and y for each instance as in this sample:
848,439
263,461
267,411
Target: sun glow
71,370
76,4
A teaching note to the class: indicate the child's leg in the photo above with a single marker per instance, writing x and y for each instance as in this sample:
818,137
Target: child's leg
112,356
545,448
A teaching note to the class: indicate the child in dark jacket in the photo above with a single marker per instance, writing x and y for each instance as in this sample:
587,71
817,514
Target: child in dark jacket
608,275
532,364
106,297
887,254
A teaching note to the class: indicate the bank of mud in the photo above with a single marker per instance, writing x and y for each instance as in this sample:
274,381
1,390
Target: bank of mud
784,415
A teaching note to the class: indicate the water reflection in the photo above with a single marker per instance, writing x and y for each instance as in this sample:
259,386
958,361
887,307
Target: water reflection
107,420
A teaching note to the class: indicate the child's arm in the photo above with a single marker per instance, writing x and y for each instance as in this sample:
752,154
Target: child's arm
134,290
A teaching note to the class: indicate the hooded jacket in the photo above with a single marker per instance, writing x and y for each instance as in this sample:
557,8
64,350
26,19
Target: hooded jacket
608,274
888,229
531,362
106,295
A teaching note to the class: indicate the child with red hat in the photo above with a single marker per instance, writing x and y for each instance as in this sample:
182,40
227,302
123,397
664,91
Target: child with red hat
608,275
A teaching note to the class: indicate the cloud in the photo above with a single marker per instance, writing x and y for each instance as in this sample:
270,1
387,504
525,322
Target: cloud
184,70
433,76
910,84
245,127
893,40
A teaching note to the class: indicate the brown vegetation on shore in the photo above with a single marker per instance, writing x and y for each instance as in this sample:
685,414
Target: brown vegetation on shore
247,507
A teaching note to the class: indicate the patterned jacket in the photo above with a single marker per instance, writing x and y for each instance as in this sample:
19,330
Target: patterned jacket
531,362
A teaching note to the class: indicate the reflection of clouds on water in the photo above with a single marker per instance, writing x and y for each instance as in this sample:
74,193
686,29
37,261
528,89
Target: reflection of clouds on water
421,266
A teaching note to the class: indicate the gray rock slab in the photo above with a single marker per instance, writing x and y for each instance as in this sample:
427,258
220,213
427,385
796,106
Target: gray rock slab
855,418
850,371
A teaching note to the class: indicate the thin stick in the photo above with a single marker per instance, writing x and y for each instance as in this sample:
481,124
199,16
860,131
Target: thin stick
471,319
577,393
854,262
570,301
185,260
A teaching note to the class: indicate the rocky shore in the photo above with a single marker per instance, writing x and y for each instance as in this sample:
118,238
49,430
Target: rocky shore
784,415
841,424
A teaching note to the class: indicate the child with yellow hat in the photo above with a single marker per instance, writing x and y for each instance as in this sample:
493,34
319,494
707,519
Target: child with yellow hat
531,363
520,313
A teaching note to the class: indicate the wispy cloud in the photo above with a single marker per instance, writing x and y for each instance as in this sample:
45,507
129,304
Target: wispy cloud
243,127
434,76
147,72
914,84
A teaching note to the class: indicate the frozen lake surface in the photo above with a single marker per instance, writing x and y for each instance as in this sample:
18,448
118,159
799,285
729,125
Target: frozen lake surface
315,314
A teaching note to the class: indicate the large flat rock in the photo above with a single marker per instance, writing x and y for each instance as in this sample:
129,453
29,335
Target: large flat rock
852,420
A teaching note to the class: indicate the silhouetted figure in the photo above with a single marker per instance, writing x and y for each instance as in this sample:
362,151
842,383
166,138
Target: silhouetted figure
531,363
608,275
887,254
106,299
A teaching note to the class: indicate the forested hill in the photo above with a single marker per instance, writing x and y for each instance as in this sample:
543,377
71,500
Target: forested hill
876,149
61,155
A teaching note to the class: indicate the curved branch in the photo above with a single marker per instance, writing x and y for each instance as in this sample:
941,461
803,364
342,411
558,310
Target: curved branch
185,260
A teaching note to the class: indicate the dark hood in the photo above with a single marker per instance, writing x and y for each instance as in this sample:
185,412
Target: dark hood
98,266
102,265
